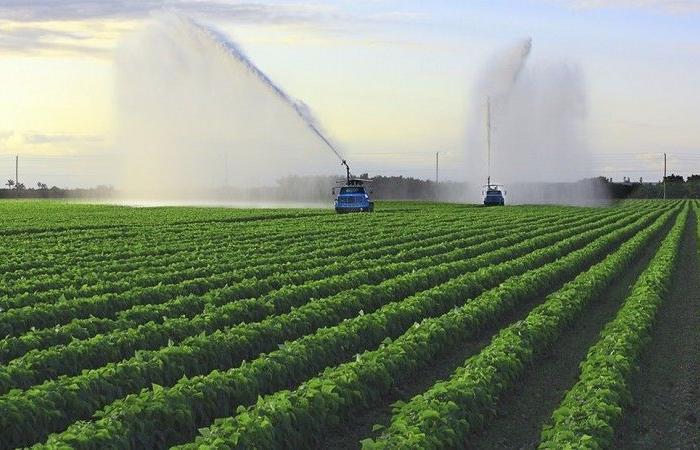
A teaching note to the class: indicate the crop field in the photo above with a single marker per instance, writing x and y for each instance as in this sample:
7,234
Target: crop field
418,326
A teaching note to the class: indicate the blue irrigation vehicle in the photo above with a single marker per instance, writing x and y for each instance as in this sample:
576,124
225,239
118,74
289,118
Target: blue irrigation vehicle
352,196
494,195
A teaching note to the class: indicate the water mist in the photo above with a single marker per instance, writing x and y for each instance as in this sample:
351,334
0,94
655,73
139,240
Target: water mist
194,113
538,114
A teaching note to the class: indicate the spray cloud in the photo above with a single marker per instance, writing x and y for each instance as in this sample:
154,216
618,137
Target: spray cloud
194,112
538,112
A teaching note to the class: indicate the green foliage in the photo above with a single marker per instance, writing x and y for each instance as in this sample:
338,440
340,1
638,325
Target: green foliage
588,414
143,328
227,347
469,397
324,401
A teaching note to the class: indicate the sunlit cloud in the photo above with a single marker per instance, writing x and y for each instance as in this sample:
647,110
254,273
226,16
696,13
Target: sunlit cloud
245,12
59,38
59,27
43,10
37,143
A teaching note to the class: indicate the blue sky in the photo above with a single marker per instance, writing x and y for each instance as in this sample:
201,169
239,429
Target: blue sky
391,81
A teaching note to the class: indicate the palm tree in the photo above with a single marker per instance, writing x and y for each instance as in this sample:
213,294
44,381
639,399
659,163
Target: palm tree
10,184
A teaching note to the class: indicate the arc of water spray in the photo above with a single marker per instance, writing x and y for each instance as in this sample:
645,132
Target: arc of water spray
522,56
299,107
524,53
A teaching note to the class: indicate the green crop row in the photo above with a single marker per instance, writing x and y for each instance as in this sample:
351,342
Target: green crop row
19,320
347,249
77,254
590,410
228,260
69,275
295,419
154,250
366,255
55,217
38,366
188,399
204,242
49,217
444,415
105,253
188,305
154,247
57,403
342,275
261,239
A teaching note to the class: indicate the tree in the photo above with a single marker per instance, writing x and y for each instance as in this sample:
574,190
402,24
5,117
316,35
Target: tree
694,178
19,186
42,186
673,178
10,184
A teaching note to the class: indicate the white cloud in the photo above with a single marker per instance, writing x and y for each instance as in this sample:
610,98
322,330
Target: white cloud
43,37
52,10
662,6
28,27
32,143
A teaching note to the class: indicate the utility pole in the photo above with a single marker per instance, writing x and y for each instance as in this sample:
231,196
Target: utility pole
488,139
437,167
664,176
17,174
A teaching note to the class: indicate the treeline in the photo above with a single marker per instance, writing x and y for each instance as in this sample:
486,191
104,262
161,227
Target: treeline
319,189
676,187
44,191
407,188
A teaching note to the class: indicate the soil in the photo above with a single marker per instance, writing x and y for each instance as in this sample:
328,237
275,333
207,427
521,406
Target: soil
665,412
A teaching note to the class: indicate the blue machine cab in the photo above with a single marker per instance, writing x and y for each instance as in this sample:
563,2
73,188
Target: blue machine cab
494,195
353,196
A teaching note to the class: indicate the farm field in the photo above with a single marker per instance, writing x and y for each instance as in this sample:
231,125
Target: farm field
418,326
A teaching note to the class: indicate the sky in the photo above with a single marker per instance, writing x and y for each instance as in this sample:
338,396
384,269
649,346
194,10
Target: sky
392,82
